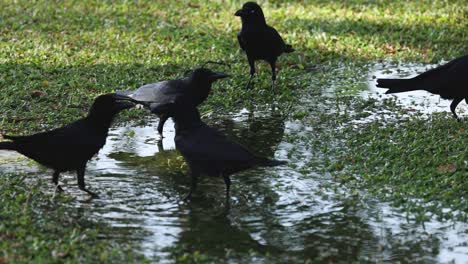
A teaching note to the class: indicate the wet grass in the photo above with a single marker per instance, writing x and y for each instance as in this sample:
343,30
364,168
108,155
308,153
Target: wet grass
37,228
417,163
55,57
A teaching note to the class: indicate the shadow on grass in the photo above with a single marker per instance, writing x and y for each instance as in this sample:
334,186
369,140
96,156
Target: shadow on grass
60,94
416,36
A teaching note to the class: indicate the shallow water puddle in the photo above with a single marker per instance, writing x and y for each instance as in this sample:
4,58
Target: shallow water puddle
286,212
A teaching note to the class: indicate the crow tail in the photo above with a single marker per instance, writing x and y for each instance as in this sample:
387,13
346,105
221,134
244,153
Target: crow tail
396,85
271,162
288,48
8,145
9,137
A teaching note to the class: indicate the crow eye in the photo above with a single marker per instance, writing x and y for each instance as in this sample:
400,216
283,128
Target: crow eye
253,11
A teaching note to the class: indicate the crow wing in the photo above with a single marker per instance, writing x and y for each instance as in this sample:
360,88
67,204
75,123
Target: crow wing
209,151
277,43
449,80
206,143
158,92
241,42
64,148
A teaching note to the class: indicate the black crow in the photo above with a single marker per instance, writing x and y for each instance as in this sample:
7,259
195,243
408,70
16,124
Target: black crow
70,147
258,40
197,86
206,150
450,81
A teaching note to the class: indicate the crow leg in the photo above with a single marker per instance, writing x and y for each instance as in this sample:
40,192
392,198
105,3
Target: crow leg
162,119
55,178
81,183
227,181
249,81
273,73
160,146
453,106
193,186
252,72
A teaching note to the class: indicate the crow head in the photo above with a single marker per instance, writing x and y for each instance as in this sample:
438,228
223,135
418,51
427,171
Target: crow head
203,75
106,106
200,82
251,13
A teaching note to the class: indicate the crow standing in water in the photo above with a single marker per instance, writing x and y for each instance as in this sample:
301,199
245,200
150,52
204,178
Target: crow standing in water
197,86
70,147
450,81
206,150
258,40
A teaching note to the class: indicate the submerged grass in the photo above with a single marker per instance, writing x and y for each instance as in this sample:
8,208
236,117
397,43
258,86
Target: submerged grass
55,57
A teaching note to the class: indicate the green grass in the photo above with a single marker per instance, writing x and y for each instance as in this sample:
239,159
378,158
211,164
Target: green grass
75,50
72,51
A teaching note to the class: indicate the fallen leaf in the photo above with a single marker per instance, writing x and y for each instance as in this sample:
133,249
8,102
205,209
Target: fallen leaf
389,49
447,168
56,254
37,93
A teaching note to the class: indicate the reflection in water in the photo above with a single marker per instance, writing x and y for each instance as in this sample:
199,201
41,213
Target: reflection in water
277,214
261,133
211,230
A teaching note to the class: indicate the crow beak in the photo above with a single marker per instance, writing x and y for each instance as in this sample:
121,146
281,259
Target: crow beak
239,13
123,102
219,75
122,105
136,102
120,97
